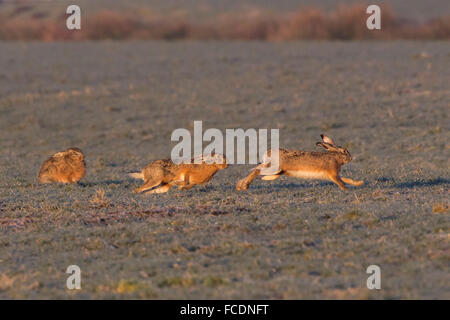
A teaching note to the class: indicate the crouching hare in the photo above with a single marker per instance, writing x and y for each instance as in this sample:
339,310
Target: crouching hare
305,164
63,167
160,175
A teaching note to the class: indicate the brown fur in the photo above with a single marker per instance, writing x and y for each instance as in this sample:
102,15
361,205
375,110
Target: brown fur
305,164
63,167
160,175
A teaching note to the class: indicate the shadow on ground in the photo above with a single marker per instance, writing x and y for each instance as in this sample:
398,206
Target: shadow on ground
422,183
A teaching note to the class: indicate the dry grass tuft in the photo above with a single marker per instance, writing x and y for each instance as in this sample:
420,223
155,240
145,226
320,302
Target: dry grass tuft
124,287
440,208
100,200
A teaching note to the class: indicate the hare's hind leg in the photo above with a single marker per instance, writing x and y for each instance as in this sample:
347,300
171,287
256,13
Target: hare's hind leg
336,179
244,183
269,178
186,187
45,179
162,189
352,182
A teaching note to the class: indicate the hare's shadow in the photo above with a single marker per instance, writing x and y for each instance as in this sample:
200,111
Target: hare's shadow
106,183
390,182
289,186
422,183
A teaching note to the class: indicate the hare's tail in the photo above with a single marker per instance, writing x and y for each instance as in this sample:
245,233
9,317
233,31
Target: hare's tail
136,175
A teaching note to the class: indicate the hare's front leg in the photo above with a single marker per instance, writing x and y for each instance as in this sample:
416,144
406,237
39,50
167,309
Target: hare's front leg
183,182
147,186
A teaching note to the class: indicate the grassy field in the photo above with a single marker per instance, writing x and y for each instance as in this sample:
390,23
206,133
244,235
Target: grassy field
387,102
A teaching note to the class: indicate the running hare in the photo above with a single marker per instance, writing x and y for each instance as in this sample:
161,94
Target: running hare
65,167
161,175
306,165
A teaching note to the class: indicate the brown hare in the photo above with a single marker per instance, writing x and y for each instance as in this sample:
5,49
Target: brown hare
64,167
304,164
161,175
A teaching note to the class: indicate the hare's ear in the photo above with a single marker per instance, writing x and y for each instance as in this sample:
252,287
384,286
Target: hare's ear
328,146
326,139
324,145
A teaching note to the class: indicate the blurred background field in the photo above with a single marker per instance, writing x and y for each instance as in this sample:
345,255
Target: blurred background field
284,20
